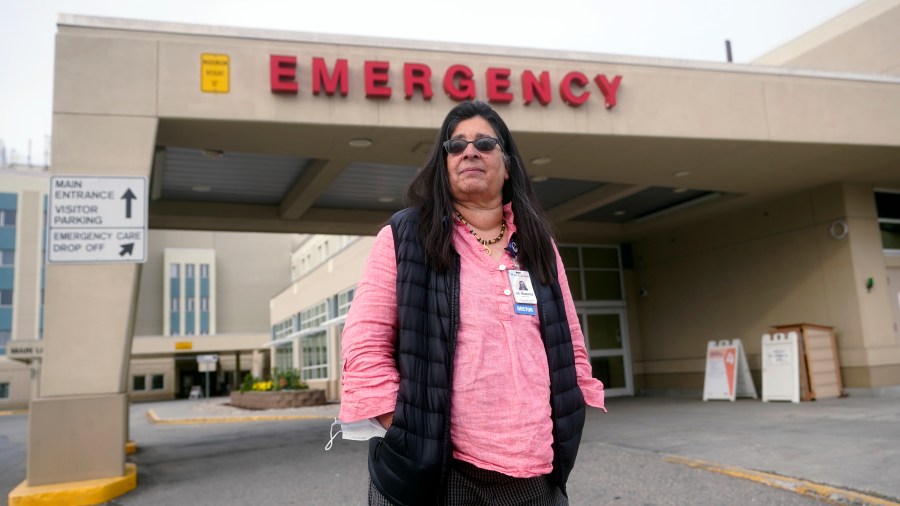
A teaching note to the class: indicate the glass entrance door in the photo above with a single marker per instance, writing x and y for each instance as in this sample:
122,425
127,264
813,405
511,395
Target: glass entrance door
606,340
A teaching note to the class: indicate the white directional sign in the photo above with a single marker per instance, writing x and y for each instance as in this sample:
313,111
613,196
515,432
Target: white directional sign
94,219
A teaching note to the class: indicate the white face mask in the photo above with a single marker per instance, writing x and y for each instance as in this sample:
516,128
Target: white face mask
361,430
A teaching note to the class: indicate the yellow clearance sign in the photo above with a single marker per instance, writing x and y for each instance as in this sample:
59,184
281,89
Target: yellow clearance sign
214,73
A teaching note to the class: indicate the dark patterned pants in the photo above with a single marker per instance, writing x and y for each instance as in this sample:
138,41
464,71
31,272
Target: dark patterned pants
471,486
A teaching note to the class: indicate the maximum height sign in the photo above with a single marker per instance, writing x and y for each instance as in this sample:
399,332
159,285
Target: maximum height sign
97,219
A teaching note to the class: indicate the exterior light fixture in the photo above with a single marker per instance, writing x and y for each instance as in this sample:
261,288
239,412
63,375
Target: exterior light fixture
679,190
539,179
619,213
201,188
682,173
541,160
214,154
360,142
386,199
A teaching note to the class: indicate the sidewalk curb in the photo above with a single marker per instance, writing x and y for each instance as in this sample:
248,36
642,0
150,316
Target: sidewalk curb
96,491
154,418
802,487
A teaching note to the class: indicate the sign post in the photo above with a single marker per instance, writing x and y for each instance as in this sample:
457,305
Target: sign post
94,219
207,364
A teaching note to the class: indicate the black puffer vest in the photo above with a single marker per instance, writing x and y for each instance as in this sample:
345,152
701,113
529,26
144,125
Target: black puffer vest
409,464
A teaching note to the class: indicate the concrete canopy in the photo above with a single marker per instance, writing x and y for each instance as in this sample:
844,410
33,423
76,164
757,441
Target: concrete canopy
724,136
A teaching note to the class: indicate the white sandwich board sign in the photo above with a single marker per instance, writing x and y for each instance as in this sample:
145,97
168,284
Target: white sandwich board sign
727,372
780,367
97,219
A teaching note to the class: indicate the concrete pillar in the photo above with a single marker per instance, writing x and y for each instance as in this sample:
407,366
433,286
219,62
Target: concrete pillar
237,372
256,368
79,424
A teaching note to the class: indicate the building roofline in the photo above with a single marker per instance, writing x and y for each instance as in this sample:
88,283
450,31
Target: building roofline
188,29
851,18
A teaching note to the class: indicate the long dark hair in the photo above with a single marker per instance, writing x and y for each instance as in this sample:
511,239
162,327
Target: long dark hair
430,192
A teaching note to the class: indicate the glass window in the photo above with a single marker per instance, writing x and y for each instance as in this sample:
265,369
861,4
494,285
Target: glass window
204,271
609,370
7,218
284,357
189,270
190,305
314,356
594,272
4,390
156,382
887,203
174,271
283,328
314,316
344,300
601,258
7,257
138,383
6,297
569,257
5,336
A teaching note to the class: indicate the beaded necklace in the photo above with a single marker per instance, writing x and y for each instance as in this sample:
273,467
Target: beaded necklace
484,242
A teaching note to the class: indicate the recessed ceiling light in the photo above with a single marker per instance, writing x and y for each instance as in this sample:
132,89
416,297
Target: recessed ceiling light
619,213
201,188
682,173
679,190
360,143
215,154
539,179
541,160
385,199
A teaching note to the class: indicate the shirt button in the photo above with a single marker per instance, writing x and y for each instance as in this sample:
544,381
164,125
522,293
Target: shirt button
502,267
506,292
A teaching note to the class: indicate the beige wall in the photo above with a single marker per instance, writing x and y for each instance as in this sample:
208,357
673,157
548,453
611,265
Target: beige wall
864,39
773,264
250,269
334,276
18,376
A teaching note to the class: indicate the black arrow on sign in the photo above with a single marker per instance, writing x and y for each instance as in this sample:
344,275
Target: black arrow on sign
128,196
127,249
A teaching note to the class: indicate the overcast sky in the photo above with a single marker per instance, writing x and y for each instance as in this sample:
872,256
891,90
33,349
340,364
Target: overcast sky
681,29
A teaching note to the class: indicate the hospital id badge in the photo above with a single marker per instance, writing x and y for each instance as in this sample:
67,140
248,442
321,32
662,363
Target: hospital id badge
523,291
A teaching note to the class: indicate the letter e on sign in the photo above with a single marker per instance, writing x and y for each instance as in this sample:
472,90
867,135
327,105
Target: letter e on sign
214,75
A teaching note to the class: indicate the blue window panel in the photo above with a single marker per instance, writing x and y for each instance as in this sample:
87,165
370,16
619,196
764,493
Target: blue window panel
204,287
189,322
9,201
174,323
189,287
7,277
6,318
204,322
175,288
8,238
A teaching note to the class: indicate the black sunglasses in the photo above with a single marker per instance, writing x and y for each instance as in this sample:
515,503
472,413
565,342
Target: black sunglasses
483,144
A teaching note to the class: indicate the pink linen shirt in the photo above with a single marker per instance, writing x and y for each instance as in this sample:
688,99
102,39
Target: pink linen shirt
500,400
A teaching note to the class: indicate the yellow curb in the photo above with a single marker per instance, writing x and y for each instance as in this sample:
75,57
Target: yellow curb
130,448
823,492
231,419
14,412
85,492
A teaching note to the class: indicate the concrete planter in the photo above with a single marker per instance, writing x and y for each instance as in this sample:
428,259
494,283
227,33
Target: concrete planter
278,400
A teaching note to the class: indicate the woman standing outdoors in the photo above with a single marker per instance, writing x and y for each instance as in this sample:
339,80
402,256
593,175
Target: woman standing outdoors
463,340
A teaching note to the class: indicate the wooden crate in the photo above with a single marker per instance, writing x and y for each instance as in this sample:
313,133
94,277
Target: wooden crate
820,367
